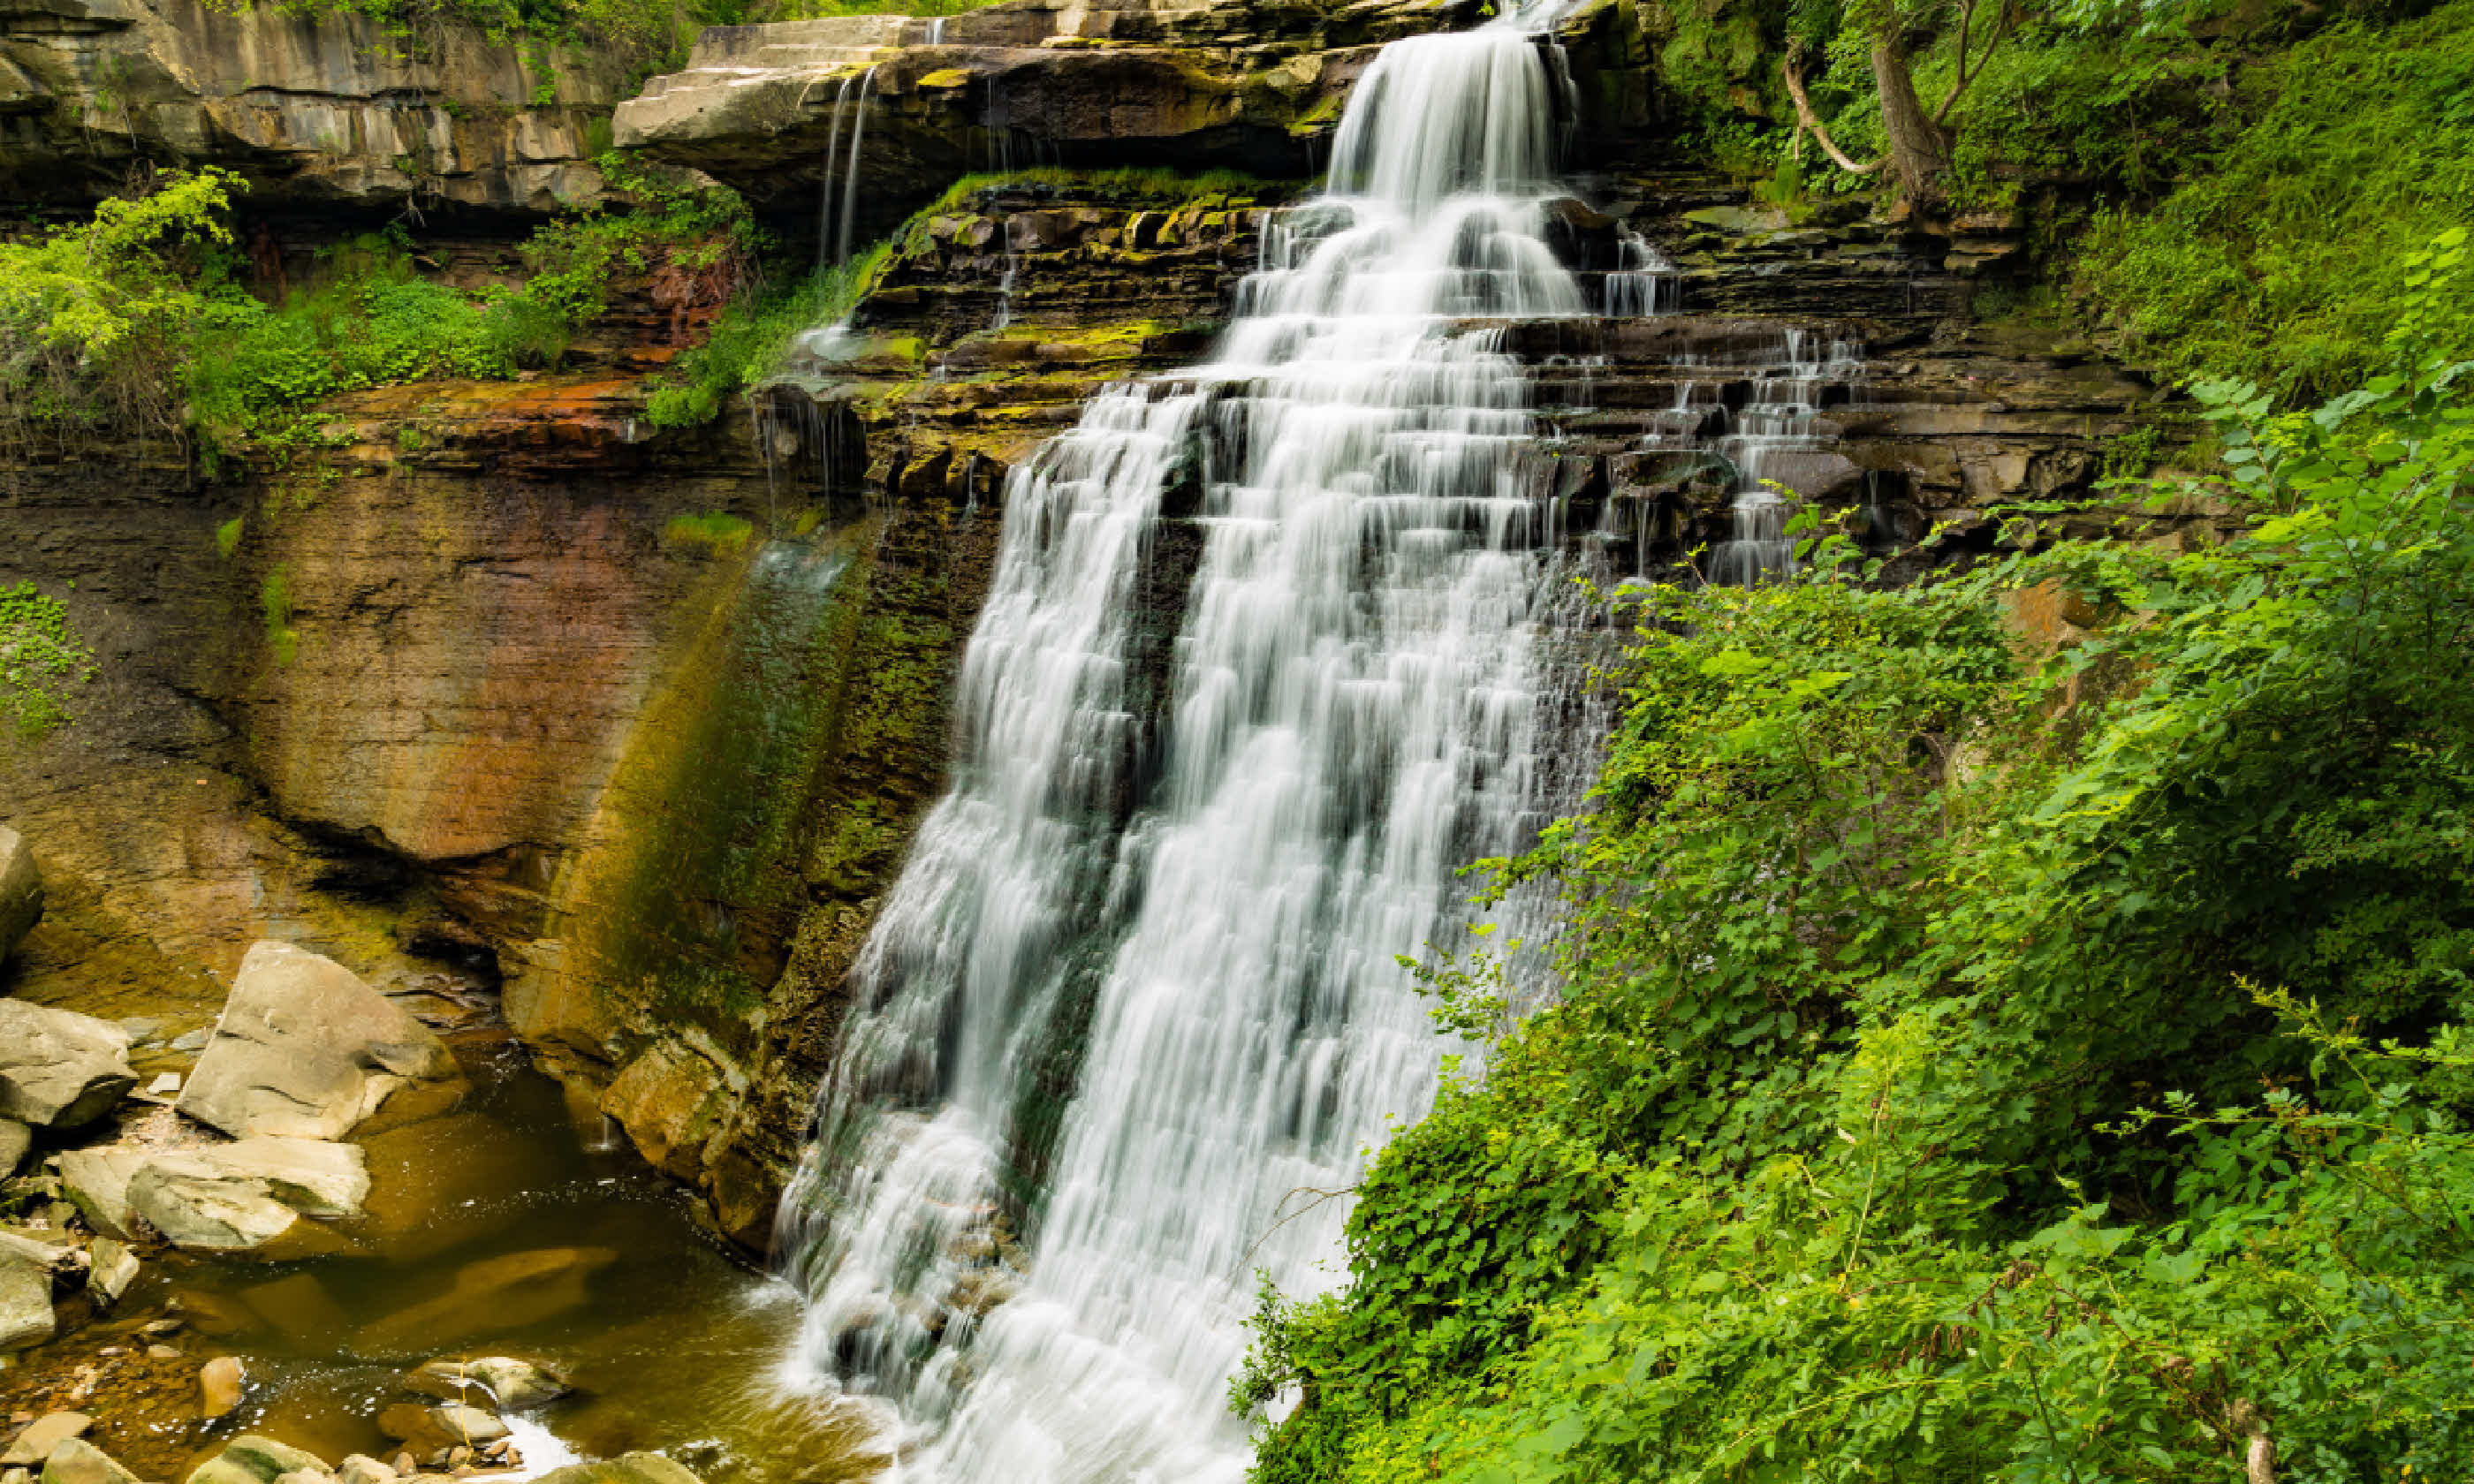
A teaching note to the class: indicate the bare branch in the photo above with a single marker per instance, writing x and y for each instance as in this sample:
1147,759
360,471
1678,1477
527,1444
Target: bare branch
1968,74
1809,120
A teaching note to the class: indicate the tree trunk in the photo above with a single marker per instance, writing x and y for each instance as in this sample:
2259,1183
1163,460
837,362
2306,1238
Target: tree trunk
1919,149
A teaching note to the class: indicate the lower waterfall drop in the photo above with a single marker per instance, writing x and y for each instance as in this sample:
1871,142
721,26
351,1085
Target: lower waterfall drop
1134,1005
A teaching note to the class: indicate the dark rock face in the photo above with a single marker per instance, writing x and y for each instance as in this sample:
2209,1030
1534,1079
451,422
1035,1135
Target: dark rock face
318,112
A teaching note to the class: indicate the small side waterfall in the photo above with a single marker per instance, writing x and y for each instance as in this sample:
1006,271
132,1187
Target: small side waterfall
1133,1010
828,240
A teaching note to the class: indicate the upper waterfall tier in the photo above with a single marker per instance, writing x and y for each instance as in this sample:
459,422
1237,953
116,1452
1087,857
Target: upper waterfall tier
1136,1007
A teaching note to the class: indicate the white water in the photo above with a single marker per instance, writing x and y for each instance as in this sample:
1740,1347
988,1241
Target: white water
1206,899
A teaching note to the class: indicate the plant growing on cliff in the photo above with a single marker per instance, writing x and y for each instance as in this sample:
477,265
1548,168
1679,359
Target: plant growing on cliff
1985,1053
38,653
95,317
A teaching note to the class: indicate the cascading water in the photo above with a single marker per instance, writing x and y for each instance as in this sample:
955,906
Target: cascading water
1782,417
1133,1011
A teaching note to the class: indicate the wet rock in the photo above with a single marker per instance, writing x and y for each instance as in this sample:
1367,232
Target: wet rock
250,1459
515,1385
469,1425
306,1049
162,1352
114,1267
25,1300
16,1138
80,1461
496,1294
96,1180
626,1469
21,889
201,1203
220,1381
58,1069
164,1084
30,1447
362,1469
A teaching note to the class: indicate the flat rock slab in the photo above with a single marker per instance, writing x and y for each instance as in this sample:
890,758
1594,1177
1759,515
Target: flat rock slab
200,1205
306,1049
250,1459
30,1447
58,1069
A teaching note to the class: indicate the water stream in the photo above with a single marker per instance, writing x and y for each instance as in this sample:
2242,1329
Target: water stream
1133,1012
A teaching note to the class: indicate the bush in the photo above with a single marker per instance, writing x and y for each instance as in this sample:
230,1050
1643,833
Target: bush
1982,1058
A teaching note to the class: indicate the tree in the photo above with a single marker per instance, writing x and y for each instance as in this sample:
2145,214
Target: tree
1919,142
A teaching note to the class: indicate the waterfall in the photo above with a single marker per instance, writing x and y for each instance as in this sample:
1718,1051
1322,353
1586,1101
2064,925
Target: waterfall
850,187
1782,417
826,237
1133,1011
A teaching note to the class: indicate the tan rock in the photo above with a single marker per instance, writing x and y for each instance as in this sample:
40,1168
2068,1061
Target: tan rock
113,1268
200,1206
58,1069
219,1384
626,1468
96,1180
80,1461
16,1138
30,1447
25,1301
306,1049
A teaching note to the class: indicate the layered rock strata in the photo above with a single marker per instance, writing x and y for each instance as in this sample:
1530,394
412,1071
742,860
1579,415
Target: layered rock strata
326,110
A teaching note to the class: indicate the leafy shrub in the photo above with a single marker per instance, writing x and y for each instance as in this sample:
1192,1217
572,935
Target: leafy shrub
1983,1056
39,650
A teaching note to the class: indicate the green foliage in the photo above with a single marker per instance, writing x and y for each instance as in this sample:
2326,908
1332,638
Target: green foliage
90,314
2280,255
253,370
753,335
38,651
1982,1058
227,538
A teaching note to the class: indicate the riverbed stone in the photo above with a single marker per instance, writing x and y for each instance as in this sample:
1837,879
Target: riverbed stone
76,1461
626,1468
306,1049
58,1069
251,1459
16,1138
201,1204
114,1267
515,1385
96,1182
21,889
25,1301
220,1381
30,1447
362,1469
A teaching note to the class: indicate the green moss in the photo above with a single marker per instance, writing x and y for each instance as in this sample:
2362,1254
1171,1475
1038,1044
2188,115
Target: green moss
718,532
274,602
227,538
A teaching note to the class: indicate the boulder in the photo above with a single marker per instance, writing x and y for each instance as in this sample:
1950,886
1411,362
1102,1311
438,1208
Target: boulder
362,1469
626,1468
25,1300
30,1447
220,1381
58,1069
515,1385
96,1182
201,1204
306,1049
250,1459
80,1461
16,1138
114,1267
51,1249
21,889
313,1176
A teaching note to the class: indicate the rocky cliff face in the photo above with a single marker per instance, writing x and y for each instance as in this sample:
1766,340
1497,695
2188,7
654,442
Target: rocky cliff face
321,112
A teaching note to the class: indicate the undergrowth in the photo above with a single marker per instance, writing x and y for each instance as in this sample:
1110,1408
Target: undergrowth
1986,1052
